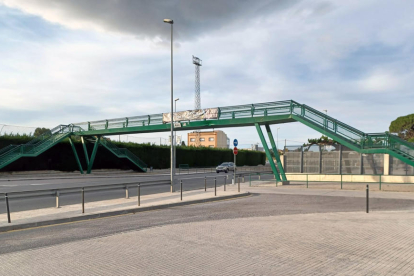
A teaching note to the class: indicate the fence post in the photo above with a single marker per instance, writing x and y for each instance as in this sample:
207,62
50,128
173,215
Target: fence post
57,199
205,184
139,194
367,198
215,186
341,181
250,180
181,188
239,185
8,209
225,183
83,200
126,192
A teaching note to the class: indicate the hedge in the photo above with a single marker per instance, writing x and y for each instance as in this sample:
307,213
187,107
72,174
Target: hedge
61,157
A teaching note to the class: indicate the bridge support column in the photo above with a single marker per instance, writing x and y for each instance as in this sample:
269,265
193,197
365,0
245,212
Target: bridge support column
85,151
276,152
266,148
95,149
76,155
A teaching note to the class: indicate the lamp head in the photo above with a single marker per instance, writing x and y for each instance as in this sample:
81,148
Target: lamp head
169,21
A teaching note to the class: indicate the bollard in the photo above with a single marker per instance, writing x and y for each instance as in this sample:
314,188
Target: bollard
215,186
181,188
57,199
225,183
239,184
139,194
205,184
126,192
307,182
83,200
341,181
259,176
380,182
367,198
8,209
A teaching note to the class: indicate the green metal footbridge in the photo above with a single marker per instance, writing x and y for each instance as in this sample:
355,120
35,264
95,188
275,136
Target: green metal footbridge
230,116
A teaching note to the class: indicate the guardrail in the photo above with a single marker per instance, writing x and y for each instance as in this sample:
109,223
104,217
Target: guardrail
213,169
57,192
329,178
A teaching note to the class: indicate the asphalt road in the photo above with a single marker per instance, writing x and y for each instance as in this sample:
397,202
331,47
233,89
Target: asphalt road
257,205
33,183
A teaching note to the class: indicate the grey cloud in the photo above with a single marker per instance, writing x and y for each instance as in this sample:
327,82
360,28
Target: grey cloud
143,18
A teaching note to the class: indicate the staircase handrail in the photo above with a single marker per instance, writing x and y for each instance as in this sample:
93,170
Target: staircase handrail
7,148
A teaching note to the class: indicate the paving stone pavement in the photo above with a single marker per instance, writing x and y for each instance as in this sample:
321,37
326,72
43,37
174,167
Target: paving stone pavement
351,243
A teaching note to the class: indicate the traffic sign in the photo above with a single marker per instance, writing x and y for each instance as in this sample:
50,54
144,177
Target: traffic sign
235,142
235,151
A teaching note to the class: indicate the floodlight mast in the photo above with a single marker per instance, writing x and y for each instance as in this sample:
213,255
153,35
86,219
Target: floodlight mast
197,100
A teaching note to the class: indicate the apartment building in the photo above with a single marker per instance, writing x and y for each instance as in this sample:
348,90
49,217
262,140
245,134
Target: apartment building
211,139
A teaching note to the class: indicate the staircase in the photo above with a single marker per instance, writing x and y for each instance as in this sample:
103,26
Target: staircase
36,146
123,153
352,137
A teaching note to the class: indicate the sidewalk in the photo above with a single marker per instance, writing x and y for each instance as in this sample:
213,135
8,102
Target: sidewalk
105,208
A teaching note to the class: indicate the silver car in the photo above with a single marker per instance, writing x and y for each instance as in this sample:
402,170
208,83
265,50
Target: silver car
225,167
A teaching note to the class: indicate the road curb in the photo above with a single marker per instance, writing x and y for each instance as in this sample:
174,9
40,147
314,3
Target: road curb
116,213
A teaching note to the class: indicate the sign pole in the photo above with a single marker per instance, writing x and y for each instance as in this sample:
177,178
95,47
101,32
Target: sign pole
235,151
234,177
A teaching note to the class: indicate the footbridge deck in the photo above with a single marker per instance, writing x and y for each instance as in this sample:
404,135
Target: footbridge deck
231,116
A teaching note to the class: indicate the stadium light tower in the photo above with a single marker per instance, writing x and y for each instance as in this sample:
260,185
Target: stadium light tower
197,100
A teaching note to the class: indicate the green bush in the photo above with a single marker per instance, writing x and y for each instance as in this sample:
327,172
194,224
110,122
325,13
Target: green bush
61,157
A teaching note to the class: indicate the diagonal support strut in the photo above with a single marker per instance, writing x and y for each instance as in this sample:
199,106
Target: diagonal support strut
266,148
276,152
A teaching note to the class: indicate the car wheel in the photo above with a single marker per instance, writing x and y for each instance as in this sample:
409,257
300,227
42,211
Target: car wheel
226,171
217,171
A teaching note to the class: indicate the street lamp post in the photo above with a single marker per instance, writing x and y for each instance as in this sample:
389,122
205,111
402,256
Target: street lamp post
171,22
175,135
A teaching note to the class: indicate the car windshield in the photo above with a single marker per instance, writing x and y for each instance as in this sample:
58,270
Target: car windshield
224,164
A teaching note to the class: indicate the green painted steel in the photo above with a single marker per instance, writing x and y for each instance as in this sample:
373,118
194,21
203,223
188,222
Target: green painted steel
85,151
276,153
266,148
92,159
76,155
230,116
123,153
36,146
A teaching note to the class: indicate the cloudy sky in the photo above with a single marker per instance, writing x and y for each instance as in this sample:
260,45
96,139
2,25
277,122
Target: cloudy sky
79,60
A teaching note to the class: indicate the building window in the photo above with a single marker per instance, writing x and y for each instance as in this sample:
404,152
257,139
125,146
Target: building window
192,139
202,139
211,139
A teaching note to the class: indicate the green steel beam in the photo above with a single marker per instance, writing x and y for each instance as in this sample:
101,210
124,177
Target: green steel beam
85,151
266,148
76,155
185,126
95,149
276,152
327,133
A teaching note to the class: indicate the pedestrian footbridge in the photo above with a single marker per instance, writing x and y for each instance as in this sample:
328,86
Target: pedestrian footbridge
255,115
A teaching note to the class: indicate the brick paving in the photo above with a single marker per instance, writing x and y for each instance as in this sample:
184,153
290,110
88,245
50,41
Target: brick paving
378,243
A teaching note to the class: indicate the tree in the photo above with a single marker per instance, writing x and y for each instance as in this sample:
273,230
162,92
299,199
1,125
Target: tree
324,140
40,130
404,127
